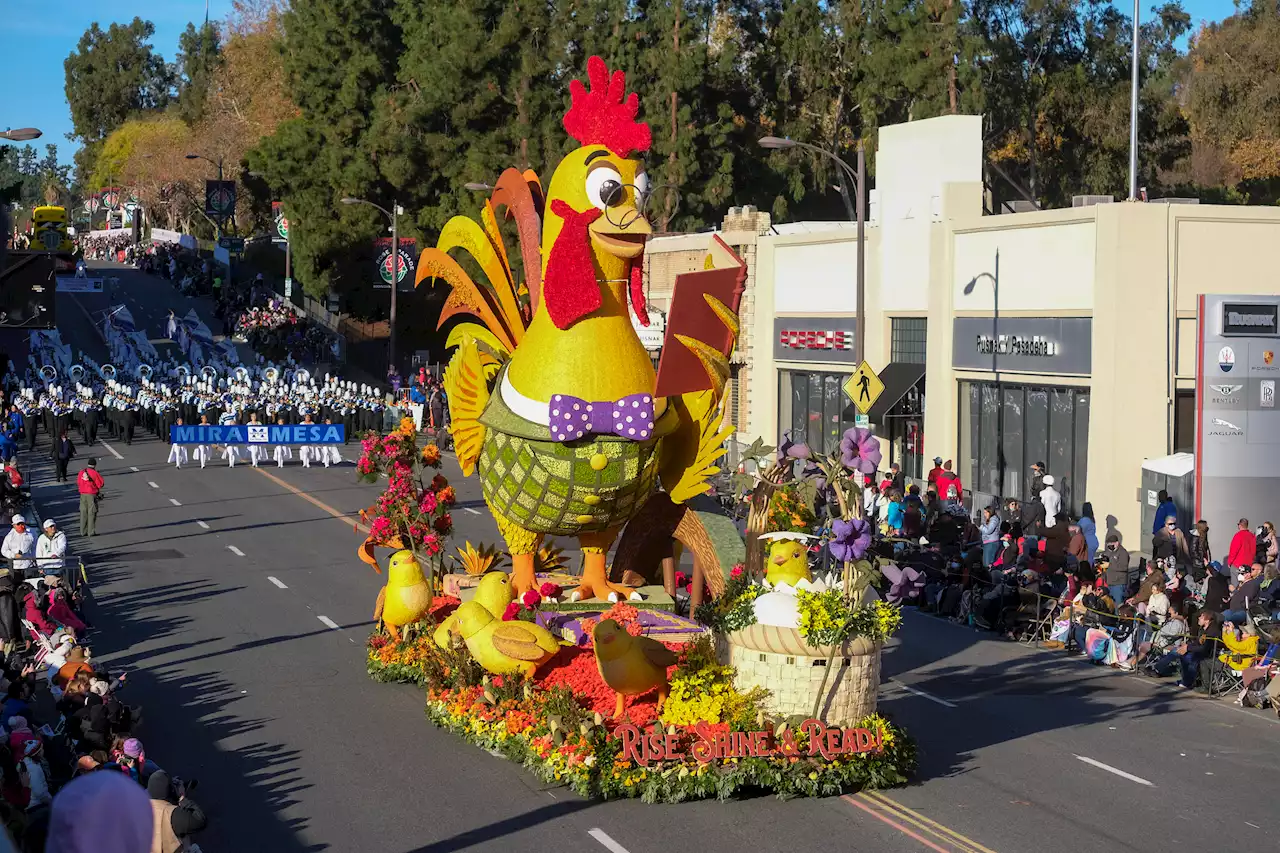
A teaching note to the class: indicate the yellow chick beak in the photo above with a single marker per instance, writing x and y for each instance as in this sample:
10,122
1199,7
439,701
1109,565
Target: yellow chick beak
626,242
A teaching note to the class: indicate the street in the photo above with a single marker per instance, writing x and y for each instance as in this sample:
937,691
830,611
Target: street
235,601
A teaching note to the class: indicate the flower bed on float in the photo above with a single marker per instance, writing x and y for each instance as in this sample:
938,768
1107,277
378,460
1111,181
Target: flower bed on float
557,727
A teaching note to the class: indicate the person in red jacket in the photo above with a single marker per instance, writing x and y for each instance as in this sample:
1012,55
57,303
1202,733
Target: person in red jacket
947,479
935,472
90,484
1244,547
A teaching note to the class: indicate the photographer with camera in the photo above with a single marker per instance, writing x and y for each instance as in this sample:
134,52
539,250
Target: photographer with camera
177,816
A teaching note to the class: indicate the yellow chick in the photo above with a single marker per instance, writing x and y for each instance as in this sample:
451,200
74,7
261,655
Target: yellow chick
407,596
631,665
788,562
502,647
493,593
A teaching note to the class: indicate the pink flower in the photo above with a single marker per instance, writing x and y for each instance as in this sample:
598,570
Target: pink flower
428,502
531,599
736,571
681,579
550,590
512,612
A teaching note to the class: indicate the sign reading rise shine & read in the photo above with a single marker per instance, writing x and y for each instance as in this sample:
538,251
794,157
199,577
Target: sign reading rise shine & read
258,434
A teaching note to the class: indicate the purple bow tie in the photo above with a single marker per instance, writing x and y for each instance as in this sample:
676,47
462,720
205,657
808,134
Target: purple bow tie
572,417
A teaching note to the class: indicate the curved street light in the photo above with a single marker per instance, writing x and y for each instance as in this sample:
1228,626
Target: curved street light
857,213
394,216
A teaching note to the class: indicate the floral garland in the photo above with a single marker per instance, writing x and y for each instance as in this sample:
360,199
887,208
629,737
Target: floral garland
411,512
789,512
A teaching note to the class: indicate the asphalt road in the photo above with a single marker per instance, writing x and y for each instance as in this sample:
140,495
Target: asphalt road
220,591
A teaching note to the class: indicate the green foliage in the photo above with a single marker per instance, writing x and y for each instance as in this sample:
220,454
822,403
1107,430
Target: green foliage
113,75
826,619
199,57
733,609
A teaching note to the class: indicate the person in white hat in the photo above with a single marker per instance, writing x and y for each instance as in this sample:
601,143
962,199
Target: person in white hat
1052,501
51,548
18,544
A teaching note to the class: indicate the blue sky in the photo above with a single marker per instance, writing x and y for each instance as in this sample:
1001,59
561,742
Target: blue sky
36,36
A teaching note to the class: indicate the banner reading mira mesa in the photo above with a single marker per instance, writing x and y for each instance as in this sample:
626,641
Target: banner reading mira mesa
259,434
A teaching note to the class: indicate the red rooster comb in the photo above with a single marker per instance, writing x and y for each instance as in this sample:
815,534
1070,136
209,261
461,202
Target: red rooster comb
606,115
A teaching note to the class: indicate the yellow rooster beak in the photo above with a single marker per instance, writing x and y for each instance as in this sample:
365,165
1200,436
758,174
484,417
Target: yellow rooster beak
626,242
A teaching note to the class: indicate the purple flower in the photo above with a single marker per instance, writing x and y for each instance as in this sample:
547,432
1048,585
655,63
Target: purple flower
859,450
789,449
850,539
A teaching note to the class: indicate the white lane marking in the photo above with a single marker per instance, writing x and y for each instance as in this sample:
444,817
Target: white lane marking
277,582
327,621
605,841
175,501
133,468
234,550
1120,773
203,524
472,510
924,695
114,452
152,485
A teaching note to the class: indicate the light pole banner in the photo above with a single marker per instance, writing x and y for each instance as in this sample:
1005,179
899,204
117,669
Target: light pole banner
408,262
1237,421
219,198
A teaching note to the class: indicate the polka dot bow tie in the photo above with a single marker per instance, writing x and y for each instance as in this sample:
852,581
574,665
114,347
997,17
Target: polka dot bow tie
630,417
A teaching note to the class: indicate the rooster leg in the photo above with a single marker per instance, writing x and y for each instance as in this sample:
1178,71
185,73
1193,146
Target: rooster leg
595,581
522,575
663,691
391,629
621,706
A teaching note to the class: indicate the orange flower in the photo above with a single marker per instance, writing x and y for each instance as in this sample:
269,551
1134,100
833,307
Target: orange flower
407,427
446,495
430,454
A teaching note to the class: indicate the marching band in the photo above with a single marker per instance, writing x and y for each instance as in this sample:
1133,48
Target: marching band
94,397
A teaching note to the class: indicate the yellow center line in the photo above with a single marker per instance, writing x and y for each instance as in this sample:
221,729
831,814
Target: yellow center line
314,501
933,827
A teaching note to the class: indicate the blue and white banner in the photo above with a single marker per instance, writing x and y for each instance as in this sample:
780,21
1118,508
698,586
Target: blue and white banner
258,434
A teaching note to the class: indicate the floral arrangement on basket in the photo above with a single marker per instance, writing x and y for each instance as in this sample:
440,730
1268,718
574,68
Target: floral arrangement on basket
413,510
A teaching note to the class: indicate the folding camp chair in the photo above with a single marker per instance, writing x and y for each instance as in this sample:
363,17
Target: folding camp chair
44,645
1041,626
1228,669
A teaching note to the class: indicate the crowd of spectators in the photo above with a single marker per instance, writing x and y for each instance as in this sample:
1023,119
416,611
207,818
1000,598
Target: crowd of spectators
68,738
256,315
1031,570
111,247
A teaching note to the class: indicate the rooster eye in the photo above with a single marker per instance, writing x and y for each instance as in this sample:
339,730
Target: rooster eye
604,187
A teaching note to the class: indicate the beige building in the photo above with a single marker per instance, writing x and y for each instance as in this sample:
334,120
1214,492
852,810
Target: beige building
1088,365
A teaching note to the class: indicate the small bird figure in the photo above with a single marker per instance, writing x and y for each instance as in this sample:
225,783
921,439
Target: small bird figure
631,665
502,647
788,563
407,596
493,593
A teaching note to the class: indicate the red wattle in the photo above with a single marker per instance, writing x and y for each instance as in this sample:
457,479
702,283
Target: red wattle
638,304
569,287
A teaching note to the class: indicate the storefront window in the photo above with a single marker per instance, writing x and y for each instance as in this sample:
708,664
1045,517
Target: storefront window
908,338
1029,424
813,407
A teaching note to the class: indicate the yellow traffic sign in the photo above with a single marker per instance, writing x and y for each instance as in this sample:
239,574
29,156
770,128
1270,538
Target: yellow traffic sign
864,388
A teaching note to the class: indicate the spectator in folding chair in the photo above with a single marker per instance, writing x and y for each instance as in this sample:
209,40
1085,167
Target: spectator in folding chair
1170,633
1187,656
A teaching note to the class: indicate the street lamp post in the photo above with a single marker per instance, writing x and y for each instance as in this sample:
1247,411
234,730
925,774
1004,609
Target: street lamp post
394,216
994,278
857,213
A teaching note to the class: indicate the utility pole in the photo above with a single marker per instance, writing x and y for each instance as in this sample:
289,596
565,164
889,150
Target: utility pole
1133,112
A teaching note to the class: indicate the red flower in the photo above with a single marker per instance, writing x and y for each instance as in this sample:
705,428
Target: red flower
447,495
444,524
531,599
512,612
550,590
681,579
736,571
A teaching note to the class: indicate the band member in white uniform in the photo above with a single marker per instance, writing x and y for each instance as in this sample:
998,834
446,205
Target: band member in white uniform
257,452
201,451
178,452
282,451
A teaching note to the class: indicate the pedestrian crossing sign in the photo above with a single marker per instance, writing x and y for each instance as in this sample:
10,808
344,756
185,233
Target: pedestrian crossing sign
864,388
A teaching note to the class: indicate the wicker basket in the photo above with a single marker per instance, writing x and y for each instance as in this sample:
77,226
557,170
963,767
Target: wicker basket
794,674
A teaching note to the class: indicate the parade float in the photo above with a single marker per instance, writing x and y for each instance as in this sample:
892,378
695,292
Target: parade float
626,679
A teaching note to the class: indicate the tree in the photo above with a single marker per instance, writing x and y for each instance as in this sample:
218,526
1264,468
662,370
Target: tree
199,59
113,75
1229,79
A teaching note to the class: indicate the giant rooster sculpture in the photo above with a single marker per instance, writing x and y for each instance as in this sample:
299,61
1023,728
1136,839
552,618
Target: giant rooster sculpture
552,395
